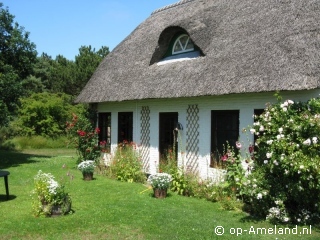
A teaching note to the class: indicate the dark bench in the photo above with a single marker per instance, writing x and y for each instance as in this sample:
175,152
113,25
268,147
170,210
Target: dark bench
5,174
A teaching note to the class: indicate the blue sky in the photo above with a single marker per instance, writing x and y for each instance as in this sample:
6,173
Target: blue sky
63,26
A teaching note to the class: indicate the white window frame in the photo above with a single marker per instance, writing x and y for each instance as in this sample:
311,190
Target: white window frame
182,47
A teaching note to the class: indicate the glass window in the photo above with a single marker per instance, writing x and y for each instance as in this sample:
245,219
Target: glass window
182,44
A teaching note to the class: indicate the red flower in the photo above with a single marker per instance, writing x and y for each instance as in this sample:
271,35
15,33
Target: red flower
98,130
81,133
251,149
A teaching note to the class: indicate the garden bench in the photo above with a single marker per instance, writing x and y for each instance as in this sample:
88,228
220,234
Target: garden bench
5,174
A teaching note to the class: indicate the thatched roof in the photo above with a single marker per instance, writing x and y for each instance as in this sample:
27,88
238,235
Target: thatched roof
246,46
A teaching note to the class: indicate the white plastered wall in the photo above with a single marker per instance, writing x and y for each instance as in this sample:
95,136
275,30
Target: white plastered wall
245,103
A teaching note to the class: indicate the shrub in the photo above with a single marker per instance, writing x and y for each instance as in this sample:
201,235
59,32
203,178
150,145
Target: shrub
285,185
84,137
44,114
126,164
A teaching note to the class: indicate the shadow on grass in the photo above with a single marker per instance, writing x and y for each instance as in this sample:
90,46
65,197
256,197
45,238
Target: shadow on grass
3,197
14,159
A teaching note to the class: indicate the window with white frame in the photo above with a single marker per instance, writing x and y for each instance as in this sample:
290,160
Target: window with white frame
182,44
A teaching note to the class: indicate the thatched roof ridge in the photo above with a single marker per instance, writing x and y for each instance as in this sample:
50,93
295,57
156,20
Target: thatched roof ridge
246,46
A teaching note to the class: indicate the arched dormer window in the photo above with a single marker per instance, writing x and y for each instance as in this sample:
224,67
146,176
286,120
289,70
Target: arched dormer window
174,45
182,44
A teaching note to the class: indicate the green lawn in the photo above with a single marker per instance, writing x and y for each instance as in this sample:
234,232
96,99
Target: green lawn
109,209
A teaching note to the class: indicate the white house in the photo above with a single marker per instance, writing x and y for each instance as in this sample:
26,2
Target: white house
204,67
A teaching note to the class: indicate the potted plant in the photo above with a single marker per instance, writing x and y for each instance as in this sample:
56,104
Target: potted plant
160,183
87,169
50,197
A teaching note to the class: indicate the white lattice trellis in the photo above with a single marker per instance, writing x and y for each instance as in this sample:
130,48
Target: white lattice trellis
192,138
145,137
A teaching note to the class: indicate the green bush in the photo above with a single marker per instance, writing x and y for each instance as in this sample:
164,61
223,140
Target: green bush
44,114
285,183
126,165
84,137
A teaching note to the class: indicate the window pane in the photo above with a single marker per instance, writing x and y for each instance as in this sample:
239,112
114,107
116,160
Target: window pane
184,40
189,45
177,47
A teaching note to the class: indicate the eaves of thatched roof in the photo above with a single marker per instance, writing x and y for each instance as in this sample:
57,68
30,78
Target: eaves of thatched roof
246,46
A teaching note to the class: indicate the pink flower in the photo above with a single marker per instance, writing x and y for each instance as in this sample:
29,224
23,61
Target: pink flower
224,158
238,144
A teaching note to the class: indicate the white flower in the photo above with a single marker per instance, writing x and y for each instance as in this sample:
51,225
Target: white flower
307,142
252,130
284,109
269,142
301,166
259,196
275,162
261,129
286,219
314,140
280,130
269,155
290,101
265,161
286,172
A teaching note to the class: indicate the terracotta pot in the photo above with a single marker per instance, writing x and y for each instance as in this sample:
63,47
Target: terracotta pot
160,193
87,176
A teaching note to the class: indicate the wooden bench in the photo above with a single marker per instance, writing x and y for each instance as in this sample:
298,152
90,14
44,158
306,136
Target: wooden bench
5,174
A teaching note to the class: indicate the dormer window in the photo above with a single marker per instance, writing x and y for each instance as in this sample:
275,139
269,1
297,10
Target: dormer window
182,44
175,45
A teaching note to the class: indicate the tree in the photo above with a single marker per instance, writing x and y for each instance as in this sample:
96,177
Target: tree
17,55
45,114
16,49
86,63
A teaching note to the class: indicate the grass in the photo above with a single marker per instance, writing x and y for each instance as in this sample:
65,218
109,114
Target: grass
108,209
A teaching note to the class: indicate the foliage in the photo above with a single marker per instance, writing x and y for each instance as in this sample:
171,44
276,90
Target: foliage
34,142
84,137
86,63
15,47
87,166
234,164
44,114
17,55
126,164
22,73
47,193
160,180
285,185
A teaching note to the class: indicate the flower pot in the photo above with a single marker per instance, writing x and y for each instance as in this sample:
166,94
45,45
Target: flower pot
88,176
56,209
160,193
60,209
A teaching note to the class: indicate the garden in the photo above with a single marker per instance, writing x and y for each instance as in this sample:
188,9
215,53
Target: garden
65,193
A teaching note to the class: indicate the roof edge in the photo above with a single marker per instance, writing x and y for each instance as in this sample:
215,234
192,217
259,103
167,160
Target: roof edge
171,6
